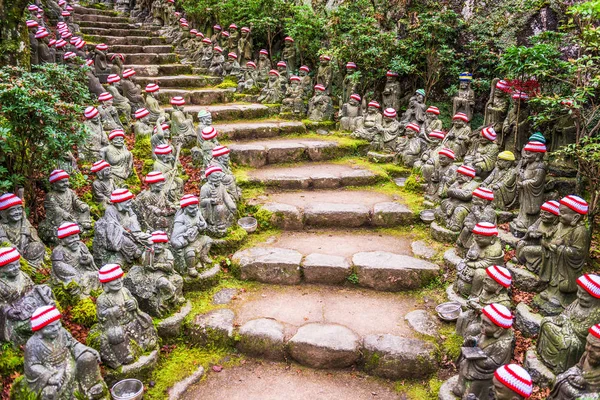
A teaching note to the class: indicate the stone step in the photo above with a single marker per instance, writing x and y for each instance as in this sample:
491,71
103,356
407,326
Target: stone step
339,208
132,49
230,111
107,25
151,58
196,96
100,18
94,11
178,81
258,129
159,70
118,32
119,40
313,176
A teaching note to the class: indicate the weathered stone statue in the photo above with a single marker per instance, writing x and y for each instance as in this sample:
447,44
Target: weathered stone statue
453,210
533,250
271,93
503,181
152,104
131,91
56,365
207,141
218,207
72,262
33,42
117,60
189,242
220,158
264,66
121,103
481,210
118,236
372,120
288,54
568,250
17,231
62,205
156,285
516,126
483,152
464,101
434,145
167,163
531,178
161,134
234,38
248,78
561,340
482,355
118,156
121,322
325,73
231,67
244,49
283,75
96,137
108,113
350,83
415,113
216,63
293,101
153,206
19,298
306,81
485,251
391,92
101,68
512,382
459,137
494,290
351,114
583,378
142,127
496,108
386,137
410,147
182,123
104,184
206,53
440,175
432,122
45,56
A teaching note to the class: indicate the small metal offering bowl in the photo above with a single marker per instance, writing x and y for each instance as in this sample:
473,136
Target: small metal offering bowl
249,224
427,216
127,389
449,311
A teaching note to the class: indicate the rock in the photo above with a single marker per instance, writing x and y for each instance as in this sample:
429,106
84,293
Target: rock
451,259
391,214
322,268
325,346
324,180
207,279
358,177
250,155
262,337
506,238
396,358
285,216
381,270
526,321
504,216
321,151
442,234
140,369
259,129
540,374
422,250
524,279
284,152
422,322
453,296
285,181
380,157
224,296
170,327
214,327
336,215
446,389
177,390
269,265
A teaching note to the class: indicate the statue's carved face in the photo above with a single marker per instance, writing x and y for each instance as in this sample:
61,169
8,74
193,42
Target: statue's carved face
124,206
445,161
353,102
50,331
488,328
502,392
118,141
463,85
158,248
483,241
71,242
192,209
303,73
215,177
223,160
157,187
388,120
96,120
479,202
61,185
14,214
548,217
586,300
490,285
206,120
273,78
104,173
431,116
568,216
108,103
262,57
458,123
114,286
166,158
10,271
592,348
372,110
504,164
461,178
420,98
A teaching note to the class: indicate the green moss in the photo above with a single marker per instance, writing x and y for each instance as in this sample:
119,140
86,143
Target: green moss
452,342
142,149
20,390
133,183
148,166
353,278
263,218
84,312
413,184
11,359
228,83
96,210
372,362
66,295
420,390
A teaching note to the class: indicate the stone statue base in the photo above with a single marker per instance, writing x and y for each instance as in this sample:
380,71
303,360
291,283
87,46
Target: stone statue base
205,280
141,369
506,238
453,296
524,279
540,374
517,232
443,234
548,309
381,158
505,216
446,389
171,327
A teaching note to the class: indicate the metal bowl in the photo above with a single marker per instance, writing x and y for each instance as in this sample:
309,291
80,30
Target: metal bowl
127,389
449,311
249,224
427,216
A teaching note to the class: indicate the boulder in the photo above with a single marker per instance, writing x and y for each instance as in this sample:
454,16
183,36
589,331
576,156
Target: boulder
319,345
214,327
422,250
540,374
262,337
422,322
285,216
446,389
269,265
443,234
524,279
526,321
170,327
451,259
251,155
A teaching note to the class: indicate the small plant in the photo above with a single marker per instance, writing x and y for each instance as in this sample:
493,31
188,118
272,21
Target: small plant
353,278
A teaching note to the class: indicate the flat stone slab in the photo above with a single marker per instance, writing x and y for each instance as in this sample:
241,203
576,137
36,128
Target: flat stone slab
260,153
175,81
224,296
285,216
540,374
323,268
524,279
442,234
422,250
269,265
141,369
178,389
170,327
156,71
196,96
229,111
396,358
381,270
258,129
451,259
325,346
527,321
263,337
331,214
446,389
111,39
422,322
390,213
215,326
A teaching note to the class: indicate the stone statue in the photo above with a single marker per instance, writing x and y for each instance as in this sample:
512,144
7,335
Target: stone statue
496,108
245,50
131,91
183,132
483,152
19,298
62,205
216,63
72,262
120,102
118,236
459,137
453,210
434,145
531,178
293,101
216,36
415,113
17,231
386,137
108,113
161,134
191,246
391,92
234,38
220,158
432,122
481,210
168,163
153,206
503,181
33,43
306,82
142,127
231,67
218,207
533,250
506,387
350,85
118,156
351,114
494,290
283,75
152,104
441,175
56,365
101,67
156,285
264,66
288,54
482,355
410,147
325,73
116,68
485,251
206,53
320,106
45,55
583,378
372,120
96,139
271,93
207,141
516,126
561,340
464,101
104,184
120,321
248,79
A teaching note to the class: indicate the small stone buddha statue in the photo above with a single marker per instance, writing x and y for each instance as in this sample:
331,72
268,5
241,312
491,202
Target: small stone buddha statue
104,184
167,163
459,137
220,158
96,139
271,93
350,85
391,91
430,152
207,141
244,48
108,113
453,210
351,113
416,111
441,176
120,102
116,68
410,147
264,66
464,101
131,91
182,124
516,126
368,127
306,81
483,152
101,68
503,181
293,101
231,67
496,107
153,206
142,127
161,134
325,73
480,210
248,80
152,104
386,138
218,206
288,54
533,250
118,156
206,54
216,63
512,382
432,121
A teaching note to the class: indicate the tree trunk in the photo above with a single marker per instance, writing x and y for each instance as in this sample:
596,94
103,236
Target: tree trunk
14,38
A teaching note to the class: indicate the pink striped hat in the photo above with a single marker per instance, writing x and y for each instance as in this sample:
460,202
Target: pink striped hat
413,127
89,62
121,56
67,229
304,68
159,237
217,48
52,42
484,193
91,112
263,51
233,26
466,171
99,166
44,316
552,206
433,110
184,24
74,40
177,101
390,113
503,85
595,331
193,31
591,284
489,133
516,378
211,170
60,43
461,116
320,88
128,72
32,7
79,45
437,134
66,35
391,73
120,195
106,96
326,58
8,200
188,200
116,133
220,151
151,88
163,149
575,203
232,55
485,229
274,72
447,152
294,78
217,27
41,33
350,65
154,177
65,14
141,113
288,39
57,175
69,8
535,147
102,47
245,29
499,315
164,127
517,95
251,64
208,132
113,78
375,104
200,35
8,255
355,97
207,41
110,272
500,275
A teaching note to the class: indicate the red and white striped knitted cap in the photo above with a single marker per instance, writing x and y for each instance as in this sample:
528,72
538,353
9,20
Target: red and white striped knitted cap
8,200
113,78
69,8
294,78
326,58
188,200
211,170
265,52
106,96
220,151
193,31
461,116
552,206
217,48
121,56
320,88
209,132
79,45
128,72
60,43
163,149
41,33
515,378
437,134
141,113
164,127
116,133
304,68
154,177
67,229
245,29
447,152
535,147
274,72
575,203
31,23
350,65
591,283
184,24
66,35
499,315
43,316
251,64
99,166
110,272
57,175
91,112
200,35
159,237
373,103
217,27
489,133
8,255
466,170
232,55
151,88
595,331
503,85
120,195
32,7
74,40
413,127
65,14
500,275
517,95
484,193
433,110
485,229
207,41
89,62
390,113
288,39
391,73
177,101
102,47
355,97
